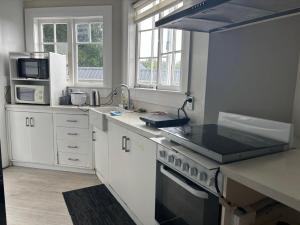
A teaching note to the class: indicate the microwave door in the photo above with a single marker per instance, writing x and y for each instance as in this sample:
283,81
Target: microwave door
25,95
32,69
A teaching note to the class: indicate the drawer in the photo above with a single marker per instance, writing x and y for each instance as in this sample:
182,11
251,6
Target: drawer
71,133
74,146
78,121
75,160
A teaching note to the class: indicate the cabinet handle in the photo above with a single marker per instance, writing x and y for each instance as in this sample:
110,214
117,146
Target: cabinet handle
31,121
74,160
124,138
27,122
72,134
72,121
72,147
126,145
93,136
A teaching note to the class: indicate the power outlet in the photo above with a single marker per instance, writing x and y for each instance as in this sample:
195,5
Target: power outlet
190,103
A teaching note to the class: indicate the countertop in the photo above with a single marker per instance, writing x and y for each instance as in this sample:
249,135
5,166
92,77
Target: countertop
131,120
276,176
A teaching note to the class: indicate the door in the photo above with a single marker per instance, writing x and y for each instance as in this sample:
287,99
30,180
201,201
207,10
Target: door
41,138
142,171
20,136
118,162
181,201
2,196
101,153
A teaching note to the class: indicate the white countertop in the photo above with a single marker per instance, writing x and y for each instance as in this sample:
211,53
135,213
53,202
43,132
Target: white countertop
276,176
131,120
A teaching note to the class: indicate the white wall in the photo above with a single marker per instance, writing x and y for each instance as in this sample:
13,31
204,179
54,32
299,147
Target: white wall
253,70
11,39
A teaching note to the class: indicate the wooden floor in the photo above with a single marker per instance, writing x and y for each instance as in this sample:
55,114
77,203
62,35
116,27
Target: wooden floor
34,197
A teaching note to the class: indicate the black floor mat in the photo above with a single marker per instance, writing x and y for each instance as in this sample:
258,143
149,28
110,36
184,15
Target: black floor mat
95,206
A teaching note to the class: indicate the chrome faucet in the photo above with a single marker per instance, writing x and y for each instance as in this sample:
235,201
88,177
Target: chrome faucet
128,96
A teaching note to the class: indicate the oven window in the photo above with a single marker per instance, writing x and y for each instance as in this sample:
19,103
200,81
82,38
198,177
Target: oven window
31,68
175,205
25,94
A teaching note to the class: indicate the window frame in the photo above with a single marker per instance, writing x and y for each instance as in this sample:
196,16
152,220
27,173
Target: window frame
70,60
185,53
75,50
33,15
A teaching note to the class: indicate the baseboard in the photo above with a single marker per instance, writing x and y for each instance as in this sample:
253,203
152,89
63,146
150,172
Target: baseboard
53,167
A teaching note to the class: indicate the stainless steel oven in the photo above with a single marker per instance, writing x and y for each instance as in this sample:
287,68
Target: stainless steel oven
185,192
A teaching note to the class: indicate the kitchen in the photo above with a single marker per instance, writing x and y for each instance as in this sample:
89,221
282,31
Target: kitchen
249,72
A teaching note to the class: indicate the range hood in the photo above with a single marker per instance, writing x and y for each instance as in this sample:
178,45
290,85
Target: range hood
216,15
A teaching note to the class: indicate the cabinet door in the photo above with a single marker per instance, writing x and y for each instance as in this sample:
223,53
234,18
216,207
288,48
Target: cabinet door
118,162
142,170
41,138
19,136
101,154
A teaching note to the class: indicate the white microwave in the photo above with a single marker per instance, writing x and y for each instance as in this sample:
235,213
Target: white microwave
32,94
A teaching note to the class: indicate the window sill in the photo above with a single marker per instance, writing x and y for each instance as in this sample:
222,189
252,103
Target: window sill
167,98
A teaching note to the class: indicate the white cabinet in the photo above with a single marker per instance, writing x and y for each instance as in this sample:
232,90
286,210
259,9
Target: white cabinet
19,136
31,136
100,139
73,140
132,160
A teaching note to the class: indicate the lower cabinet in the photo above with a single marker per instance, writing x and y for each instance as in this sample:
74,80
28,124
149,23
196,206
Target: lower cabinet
100,146
73,141
132,160
31,137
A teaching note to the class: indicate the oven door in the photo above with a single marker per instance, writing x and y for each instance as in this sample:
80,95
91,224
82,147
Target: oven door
180,201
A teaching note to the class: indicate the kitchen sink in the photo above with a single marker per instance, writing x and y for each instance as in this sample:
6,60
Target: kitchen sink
108,109
98,116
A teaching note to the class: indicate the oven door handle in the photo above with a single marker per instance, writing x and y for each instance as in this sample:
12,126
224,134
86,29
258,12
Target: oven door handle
193,191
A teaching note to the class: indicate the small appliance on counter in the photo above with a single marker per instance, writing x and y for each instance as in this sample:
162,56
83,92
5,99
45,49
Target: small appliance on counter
33,68
161,119
32,94
65,99
78,98
94,98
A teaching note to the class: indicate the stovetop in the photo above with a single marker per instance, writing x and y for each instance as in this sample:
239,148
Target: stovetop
222,140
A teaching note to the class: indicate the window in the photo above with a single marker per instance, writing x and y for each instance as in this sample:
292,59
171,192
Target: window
83,34
89,49
159,63
88,46
55,37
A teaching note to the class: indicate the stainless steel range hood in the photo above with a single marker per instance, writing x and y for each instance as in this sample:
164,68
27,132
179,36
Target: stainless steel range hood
215,15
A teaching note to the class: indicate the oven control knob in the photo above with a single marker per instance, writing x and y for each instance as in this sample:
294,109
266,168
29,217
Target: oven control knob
203,176
186,167
178,162
194,172
162,154
171,159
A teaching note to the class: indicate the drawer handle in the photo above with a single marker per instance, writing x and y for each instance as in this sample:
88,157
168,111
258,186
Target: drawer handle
74,160
72,121
72,134
73,147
